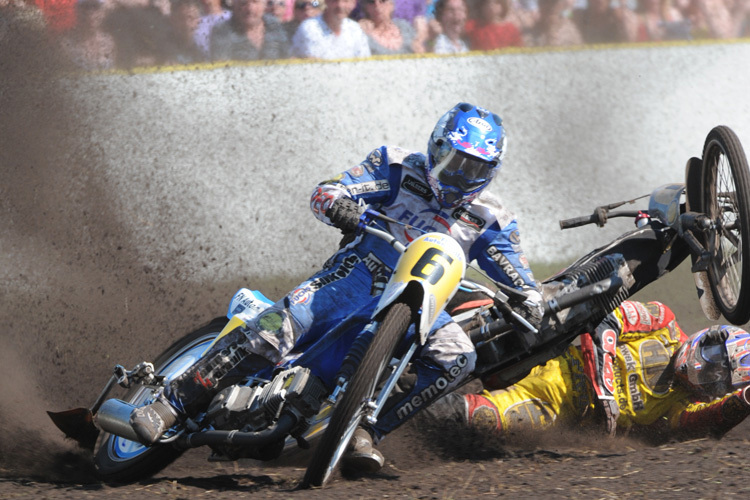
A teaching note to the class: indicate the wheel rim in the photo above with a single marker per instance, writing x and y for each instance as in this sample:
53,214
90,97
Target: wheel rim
120,449
725,244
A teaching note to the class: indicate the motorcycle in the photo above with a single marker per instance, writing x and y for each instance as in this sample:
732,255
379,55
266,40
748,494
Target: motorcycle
327,390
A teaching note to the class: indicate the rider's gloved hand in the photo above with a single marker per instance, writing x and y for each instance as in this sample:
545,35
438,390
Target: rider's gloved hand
531,309
344,214
531,312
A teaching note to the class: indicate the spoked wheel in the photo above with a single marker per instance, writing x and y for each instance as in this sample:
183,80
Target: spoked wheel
120,460
350,409
726,200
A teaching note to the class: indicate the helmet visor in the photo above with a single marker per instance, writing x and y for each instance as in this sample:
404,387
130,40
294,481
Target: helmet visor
463,171
709,368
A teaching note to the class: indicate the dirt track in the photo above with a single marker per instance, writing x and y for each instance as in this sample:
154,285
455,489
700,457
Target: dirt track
75,301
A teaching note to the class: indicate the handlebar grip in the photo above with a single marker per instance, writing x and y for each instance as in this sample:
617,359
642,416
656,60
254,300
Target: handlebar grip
578,221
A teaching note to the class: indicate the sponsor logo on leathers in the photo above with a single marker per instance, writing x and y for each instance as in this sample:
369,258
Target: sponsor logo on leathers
341,272
505,265
369,187
426,221
432,391
467,218
417,187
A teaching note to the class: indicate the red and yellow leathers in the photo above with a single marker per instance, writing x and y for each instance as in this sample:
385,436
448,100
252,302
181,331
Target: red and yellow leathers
626,363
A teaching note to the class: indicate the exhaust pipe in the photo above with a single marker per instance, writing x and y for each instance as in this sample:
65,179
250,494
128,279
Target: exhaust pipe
276,432
114,417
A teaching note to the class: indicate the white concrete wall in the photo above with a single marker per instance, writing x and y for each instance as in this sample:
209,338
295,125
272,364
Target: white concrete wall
210,170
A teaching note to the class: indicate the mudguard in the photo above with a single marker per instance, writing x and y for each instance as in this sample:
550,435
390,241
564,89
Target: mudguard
436,264
664,204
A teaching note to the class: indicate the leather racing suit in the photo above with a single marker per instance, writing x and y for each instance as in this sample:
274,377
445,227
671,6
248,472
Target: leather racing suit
392,181
635,371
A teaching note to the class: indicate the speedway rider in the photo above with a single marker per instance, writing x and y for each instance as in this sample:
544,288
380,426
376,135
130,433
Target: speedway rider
442,191
662,383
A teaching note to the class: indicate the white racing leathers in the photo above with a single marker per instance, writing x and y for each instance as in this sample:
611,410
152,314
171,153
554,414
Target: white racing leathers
393,182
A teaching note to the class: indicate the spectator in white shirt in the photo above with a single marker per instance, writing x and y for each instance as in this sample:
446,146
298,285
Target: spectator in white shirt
331,35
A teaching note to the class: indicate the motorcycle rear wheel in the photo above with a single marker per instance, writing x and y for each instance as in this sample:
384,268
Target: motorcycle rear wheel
726,200
119,460
350,409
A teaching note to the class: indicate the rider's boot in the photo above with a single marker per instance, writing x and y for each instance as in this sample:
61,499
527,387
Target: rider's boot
150,422
421,382
361,455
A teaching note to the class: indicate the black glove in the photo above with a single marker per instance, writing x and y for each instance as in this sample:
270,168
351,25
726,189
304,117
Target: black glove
344,214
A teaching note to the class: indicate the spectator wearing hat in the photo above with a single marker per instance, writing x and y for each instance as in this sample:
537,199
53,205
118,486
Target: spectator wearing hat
331,35
249,34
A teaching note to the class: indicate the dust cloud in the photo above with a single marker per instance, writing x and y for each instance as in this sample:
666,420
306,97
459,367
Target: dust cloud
73,293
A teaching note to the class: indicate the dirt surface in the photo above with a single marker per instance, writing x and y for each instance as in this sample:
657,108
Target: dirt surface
74,301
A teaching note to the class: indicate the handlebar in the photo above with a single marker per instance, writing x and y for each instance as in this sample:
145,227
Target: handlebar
599,217
602,213
557,304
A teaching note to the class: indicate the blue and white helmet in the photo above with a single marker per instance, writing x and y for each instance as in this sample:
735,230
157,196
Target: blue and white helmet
464,152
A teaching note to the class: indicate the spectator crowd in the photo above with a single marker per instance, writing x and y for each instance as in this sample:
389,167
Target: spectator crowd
106,34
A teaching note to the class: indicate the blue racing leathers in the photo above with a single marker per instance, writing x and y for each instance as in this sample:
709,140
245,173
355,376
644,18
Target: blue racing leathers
391,181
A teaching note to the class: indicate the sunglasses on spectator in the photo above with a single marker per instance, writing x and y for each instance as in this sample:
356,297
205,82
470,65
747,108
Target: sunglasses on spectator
373,2
276,3
302,5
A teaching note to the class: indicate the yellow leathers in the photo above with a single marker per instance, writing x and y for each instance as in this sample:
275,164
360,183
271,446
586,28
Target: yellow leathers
649,400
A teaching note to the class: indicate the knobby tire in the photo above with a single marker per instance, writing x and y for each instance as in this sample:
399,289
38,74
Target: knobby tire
348,410
726,198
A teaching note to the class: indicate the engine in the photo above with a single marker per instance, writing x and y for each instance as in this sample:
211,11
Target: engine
252,408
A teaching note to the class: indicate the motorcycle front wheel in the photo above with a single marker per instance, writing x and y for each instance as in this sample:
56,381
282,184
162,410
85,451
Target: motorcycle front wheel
726,200
350,409
120,460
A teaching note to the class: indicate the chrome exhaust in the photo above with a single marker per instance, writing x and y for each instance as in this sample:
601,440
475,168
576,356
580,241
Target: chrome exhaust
114,417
